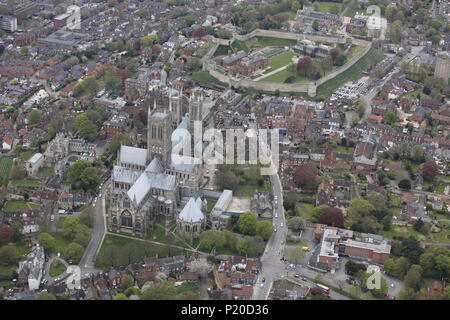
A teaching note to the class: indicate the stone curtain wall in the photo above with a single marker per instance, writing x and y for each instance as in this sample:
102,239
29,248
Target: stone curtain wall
309,88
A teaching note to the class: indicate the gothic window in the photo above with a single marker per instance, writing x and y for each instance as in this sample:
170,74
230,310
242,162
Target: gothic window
126,204
126,219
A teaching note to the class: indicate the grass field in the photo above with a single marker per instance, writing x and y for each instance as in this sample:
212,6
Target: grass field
48,171
62,242
26,183
280,77
326,6
152,251
280,61
5,166
221,50
26,155
203,77
342,149
56,268
305,214
355,72
210,205
19,206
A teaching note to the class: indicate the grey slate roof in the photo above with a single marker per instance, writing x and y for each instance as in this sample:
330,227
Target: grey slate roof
133,155
192,211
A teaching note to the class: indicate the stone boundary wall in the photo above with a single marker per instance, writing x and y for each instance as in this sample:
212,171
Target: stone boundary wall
309,87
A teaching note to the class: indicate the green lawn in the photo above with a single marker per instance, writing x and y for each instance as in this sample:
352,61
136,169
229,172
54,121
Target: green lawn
405,232
153,250
290,14
203,77
48,171
443,236
326,6
341,149
19,206
305,214
413,94
210,205
247,190
221,50
26,155
355,72
280,61
26,183
280,77
57,268
5,166
72,158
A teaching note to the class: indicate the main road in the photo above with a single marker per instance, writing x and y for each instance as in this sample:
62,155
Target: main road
87,261
272,268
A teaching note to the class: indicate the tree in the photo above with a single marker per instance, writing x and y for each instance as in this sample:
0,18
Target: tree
413,277
306,176
6,234
211,238
361,108
341,59
264,229
127,281
74,251
316,25
149,40
407,294
120,296
86,128
70,225
200,267
405,184
161,291
332,217
227,180
296,223
45,296
317,212
17,229
82,234
18,172
250,246
429,170
358,209
9,254
247,223
390,117
34,116
352,267
334,53
304,65
47,241
230,239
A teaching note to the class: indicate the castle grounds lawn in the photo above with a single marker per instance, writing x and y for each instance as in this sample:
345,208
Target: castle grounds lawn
221,50
5,166
280,77
355,72
48,171
203,77
57,268
280,61
19,206
442,236
26,183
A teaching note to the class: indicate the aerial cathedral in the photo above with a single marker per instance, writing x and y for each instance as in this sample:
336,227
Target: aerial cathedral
147,183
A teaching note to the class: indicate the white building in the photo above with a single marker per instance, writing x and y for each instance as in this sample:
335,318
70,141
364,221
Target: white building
34,164
31,269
